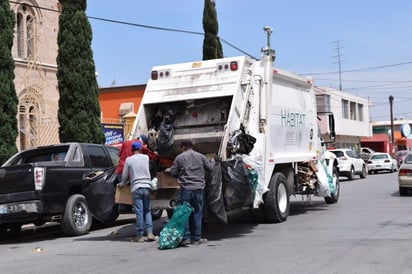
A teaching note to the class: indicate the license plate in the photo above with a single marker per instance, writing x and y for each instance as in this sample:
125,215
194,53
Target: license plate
378,165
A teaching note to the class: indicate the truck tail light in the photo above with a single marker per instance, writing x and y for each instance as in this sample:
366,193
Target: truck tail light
233,66
39,177
154,75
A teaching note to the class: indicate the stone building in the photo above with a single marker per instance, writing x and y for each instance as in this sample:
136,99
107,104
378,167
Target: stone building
35,52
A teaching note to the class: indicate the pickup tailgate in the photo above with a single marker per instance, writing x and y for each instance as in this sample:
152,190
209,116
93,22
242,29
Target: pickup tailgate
15,179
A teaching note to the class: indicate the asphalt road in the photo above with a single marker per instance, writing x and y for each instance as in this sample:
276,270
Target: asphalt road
367,231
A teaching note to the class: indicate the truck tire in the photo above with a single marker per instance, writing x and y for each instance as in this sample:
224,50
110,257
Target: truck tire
335,196
156,213
77,218
276,200
9,231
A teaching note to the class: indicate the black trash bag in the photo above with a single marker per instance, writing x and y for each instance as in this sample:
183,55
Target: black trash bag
165,139
99,191
214,194
246,142
237,189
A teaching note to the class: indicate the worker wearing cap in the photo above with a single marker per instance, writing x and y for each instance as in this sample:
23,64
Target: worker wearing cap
136,170
190,169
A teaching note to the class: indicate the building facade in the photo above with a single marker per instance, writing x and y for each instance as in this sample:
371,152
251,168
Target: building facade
35,52
351,116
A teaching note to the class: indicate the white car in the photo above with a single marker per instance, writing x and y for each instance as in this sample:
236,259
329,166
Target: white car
405,175
350,163
380,161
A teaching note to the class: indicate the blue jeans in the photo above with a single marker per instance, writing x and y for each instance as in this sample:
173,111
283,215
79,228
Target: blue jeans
193,227
142,208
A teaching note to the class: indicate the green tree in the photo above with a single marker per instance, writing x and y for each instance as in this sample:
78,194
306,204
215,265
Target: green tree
212,48
8,96
79,109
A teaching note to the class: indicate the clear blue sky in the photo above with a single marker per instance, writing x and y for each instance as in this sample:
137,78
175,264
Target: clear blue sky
373,35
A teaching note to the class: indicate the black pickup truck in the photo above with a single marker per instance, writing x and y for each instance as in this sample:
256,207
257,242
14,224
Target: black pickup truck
69,183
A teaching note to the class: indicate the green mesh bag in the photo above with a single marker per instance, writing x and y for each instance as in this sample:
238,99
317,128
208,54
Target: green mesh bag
173,232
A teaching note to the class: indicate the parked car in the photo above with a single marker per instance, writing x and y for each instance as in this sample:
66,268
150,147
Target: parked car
380,161
405,175
400,156
350,163
366,152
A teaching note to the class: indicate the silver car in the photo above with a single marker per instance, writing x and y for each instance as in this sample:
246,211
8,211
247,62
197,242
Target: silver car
405,175
380,161
350,163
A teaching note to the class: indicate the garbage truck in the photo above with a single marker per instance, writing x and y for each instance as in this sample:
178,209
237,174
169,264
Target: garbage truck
259,124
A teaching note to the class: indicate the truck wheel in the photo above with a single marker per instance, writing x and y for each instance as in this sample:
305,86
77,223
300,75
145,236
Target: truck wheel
363,174
156,213
276,200
77,219
9,231
335,196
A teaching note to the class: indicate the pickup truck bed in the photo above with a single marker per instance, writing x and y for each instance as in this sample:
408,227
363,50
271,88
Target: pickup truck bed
71,183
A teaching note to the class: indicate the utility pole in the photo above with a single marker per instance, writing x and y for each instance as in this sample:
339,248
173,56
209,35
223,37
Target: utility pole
338,55
392,133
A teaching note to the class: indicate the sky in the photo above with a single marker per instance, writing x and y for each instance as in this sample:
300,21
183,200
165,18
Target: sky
371,40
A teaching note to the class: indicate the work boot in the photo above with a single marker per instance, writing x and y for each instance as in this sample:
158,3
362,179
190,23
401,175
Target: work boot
199,242
138,240
151,237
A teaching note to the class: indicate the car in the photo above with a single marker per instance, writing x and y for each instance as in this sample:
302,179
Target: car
365,153
350,163
400,156
405,175
381,161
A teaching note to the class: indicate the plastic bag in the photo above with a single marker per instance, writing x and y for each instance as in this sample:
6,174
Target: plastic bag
173,232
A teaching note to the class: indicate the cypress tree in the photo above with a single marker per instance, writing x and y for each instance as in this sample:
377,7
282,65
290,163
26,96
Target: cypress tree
79,110
212,48
8,96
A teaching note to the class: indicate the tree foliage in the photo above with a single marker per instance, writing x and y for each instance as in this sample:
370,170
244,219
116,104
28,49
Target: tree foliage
79,109
8,96
212,48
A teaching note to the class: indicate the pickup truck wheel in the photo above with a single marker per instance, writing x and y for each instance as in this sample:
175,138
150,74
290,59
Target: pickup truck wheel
77,219
276,200
335,196
156,213
10,231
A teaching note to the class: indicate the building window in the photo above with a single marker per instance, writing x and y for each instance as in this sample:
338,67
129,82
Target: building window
345,109
26,32
352,110
360,112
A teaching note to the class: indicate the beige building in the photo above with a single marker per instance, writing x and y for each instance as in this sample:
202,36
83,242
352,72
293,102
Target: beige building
35,52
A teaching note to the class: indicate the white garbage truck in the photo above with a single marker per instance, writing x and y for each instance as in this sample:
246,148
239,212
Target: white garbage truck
258,123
